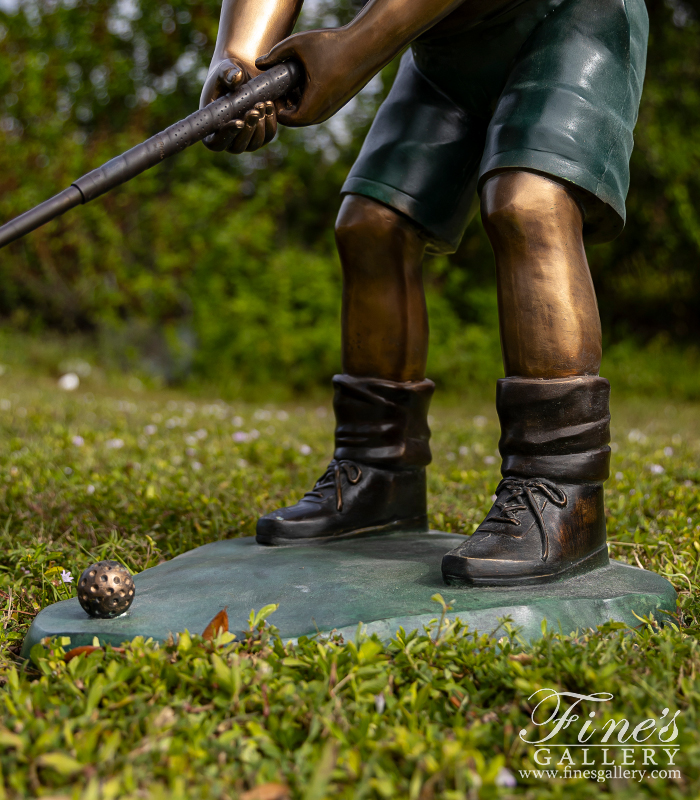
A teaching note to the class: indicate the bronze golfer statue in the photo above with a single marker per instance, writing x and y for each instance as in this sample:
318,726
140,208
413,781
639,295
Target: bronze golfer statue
529,104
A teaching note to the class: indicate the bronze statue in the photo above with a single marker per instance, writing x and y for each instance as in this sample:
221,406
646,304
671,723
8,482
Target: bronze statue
531,105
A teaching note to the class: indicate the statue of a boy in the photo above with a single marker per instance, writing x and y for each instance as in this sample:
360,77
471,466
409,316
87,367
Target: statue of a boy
531,105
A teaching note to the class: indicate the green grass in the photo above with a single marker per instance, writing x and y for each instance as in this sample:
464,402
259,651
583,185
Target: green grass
426,716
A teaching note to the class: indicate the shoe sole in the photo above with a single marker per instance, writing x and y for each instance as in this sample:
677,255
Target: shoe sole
414,524
598,558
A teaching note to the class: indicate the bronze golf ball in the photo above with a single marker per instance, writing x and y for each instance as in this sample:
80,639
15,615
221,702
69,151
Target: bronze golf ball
106,589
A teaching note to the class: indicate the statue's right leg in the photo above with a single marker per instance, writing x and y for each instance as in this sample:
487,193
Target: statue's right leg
376,480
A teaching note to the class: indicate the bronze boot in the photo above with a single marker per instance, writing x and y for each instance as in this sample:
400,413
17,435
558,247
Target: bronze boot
548,519
376,480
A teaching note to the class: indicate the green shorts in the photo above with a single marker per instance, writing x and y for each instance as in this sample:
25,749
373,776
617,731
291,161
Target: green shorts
549,86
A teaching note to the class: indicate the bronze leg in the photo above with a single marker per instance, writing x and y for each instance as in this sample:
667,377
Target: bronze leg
548,516
548,312
384,318
376,482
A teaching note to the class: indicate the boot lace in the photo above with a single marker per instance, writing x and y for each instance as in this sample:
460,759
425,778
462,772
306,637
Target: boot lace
521,497
332,477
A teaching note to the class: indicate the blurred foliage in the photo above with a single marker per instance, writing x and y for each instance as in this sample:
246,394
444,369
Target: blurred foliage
223,267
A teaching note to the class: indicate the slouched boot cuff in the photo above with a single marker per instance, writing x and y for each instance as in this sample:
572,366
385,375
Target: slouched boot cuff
557,429
383,423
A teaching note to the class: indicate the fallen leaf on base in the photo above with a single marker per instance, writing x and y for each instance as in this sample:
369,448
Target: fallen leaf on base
267,791
218,625
87,649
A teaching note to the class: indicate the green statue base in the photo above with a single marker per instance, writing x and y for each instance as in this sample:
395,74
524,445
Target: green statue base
385,582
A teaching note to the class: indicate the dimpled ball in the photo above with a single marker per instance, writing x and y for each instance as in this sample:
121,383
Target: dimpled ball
106,589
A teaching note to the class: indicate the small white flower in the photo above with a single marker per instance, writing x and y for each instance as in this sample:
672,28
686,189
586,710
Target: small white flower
66,576
90,489
321,412
68,470
191,440
464,450
479,421
305,450
636,436
379,703
619,476
78,441
240,436
656,469
254,434
114,444
450,456
668,452
282,416
201,433
242,463
191,452
494,497
505,778
237,422
196,465
69,382
489,459
150,430
262,414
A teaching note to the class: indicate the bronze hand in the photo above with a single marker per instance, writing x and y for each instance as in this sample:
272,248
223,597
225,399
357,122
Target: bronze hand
339,61
247,29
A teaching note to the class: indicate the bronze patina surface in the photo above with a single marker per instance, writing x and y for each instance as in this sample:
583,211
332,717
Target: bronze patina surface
383,582
532,104
106,590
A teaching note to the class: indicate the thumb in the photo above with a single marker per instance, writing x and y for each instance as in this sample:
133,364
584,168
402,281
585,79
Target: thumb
280,52
229,74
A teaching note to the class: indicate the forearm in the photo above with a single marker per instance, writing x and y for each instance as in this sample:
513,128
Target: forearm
250,28
384,27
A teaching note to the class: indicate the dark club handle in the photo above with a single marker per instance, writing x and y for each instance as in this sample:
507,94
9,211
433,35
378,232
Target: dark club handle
270,85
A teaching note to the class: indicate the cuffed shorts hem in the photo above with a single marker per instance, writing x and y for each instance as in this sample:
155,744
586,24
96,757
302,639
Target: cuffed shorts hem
604,209
553,88
439,237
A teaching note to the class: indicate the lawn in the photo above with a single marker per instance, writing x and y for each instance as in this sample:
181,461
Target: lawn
113,470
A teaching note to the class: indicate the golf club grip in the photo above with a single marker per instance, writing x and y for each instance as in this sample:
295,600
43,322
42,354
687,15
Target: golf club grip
269,85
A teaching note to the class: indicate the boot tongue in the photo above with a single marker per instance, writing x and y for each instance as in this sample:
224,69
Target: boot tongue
520,497
332,478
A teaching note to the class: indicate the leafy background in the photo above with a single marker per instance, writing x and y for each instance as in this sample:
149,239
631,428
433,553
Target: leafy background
222,268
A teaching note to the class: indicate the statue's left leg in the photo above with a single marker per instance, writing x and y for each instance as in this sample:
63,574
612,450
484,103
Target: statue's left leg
548,518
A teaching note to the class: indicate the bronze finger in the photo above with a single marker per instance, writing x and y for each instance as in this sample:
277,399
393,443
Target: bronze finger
270,121
258,138
242,140
221,140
